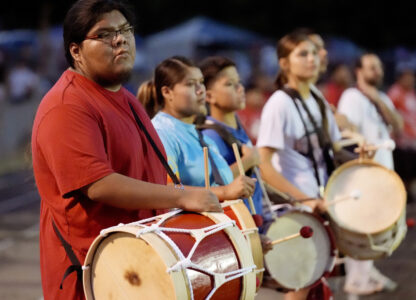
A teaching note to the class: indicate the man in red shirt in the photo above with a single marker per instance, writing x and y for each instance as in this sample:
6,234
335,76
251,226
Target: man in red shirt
94,166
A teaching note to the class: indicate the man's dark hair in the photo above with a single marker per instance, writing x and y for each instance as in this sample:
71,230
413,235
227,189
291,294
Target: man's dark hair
359,62
83,15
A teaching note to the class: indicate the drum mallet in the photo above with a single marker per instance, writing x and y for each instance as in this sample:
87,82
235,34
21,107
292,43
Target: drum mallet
355,194
305,232
206,170
257,218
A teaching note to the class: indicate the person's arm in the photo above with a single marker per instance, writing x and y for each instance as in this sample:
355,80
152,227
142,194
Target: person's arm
241,187
124,192
391,116
277,180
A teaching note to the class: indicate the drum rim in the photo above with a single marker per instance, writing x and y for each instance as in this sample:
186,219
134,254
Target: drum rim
235,236
239,242
355,162
380,254
246,221
131,230
332,242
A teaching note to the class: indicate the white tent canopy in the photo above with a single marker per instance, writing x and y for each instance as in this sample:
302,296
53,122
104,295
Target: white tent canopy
196,33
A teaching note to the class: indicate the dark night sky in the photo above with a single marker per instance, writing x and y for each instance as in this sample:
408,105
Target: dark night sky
370,24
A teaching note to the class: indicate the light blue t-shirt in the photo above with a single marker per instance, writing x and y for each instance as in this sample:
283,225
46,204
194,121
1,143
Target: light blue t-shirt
184,152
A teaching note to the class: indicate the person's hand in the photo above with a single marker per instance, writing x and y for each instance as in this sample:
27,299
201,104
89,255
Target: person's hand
316,205
266,243
321,206
199,201
366,151
241,187
251,154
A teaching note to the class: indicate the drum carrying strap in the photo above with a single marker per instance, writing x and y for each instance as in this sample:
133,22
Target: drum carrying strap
324,140
159,154
76,265
226,136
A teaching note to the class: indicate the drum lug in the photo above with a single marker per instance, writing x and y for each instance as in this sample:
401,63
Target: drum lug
380,248
388,248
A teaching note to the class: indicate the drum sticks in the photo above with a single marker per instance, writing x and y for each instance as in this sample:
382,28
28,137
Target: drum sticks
355,195
206,166
305,232
241,169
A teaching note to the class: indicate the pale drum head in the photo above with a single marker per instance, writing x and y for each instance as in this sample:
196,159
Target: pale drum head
299,262
123,267
382,197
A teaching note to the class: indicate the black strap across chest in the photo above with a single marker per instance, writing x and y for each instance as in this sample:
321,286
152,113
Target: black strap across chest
159,154
324,139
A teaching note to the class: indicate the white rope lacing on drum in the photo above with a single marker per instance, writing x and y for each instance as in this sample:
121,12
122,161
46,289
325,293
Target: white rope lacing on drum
185,262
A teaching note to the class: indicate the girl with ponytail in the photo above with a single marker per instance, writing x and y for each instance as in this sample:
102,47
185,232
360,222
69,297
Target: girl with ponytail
173,99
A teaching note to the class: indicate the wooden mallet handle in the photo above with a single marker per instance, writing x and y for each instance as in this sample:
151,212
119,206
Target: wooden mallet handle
305,232
241,169
206,168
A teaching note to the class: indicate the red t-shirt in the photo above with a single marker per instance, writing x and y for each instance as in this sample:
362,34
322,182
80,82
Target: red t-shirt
82,133
405,103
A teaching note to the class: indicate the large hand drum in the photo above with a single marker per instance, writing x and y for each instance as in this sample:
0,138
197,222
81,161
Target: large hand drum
299,262
366,203
177,255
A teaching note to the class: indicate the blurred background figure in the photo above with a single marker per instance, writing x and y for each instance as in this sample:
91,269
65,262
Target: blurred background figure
21,83
403,95
340,119
250,115
340,79
373,114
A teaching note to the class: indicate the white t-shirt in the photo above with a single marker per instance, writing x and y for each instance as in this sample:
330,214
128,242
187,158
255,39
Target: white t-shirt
281,128
362,113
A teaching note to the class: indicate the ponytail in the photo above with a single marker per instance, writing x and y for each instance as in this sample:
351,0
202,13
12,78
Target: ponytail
148,98
281,80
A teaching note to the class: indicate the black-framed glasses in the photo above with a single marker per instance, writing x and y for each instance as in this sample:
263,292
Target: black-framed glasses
111,36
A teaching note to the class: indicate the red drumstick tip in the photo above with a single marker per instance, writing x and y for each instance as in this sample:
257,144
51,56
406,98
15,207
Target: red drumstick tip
410,222
258,219
306,232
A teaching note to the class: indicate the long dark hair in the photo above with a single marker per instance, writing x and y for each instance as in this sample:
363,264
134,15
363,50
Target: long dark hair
168,73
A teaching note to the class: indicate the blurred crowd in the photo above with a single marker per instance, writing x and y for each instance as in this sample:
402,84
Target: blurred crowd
339,78
28,71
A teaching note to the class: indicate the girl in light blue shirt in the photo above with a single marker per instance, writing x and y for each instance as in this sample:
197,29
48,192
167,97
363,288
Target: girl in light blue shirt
173,99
